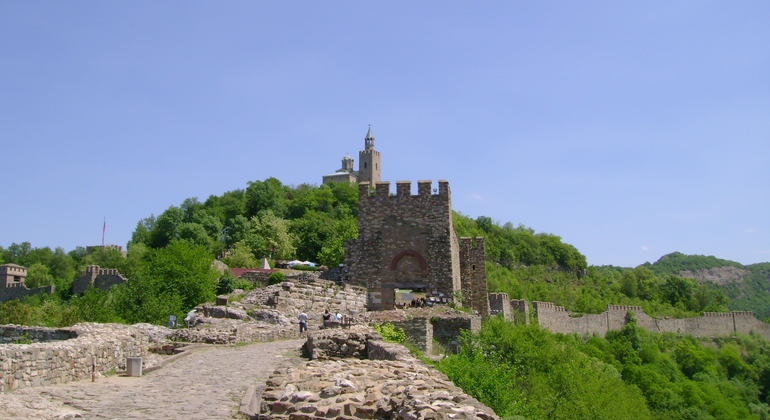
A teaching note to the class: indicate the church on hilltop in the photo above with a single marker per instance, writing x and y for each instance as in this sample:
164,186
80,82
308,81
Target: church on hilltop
368,165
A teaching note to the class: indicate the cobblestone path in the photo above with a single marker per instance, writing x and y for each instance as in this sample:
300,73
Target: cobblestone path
208,384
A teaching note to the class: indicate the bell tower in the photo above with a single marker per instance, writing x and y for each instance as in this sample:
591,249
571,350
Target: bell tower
369,169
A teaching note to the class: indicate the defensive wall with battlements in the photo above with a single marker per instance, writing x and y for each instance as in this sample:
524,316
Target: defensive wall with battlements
94,276
12,283
558,319
408,241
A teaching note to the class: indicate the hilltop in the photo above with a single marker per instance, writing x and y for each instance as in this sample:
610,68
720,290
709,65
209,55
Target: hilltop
746,286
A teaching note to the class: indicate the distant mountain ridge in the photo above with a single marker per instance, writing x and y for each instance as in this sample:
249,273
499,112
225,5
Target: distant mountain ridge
747,286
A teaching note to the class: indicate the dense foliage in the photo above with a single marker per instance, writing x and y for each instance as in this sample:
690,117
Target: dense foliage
164,281
266,220
751,292
525,371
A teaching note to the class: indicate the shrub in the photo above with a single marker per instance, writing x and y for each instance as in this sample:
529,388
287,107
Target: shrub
276,278
390,332
244,284
226,283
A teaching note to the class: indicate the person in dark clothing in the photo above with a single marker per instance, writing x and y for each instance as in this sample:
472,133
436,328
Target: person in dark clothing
327,318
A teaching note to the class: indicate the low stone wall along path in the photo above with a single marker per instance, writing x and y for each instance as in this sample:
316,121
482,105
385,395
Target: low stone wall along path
207,384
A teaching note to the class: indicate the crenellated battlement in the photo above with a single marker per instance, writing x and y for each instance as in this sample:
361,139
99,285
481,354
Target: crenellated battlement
408,241
466,242
548,307
403,189
718,314
624,308
95,276
95,270
710,324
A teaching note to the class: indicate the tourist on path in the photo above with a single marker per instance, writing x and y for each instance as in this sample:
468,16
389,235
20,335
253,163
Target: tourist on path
327,318
302,322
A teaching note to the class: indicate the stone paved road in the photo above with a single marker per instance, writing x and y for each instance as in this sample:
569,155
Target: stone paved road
208,384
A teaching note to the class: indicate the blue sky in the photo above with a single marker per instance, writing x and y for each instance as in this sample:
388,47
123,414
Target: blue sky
630,129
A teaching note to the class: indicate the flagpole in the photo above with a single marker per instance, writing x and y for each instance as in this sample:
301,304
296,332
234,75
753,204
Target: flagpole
104,228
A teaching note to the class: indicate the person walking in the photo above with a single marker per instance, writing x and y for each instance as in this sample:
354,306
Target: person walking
302,322
327,318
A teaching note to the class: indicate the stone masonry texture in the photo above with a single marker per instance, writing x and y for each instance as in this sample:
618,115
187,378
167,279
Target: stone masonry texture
408,241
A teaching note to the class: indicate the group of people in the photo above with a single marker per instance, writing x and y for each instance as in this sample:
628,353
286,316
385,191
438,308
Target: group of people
417,303
327,318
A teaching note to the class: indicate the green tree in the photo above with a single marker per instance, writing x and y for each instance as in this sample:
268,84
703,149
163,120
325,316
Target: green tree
267,195
170,281
226,283
314,229
271,237
240,256
38,275
105,257
165,228
332,251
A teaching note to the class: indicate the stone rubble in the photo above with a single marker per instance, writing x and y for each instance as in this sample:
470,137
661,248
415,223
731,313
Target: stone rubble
366,389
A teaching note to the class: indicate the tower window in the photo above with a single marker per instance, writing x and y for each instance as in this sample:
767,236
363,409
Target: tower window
364,165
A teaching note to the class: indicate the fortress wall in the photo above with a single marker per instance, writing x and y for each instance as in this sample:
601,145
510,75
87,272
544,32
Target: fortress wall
21,292
473,274
500,304
404,241
520,311
447,330
97,347
557,319
419,331
710,324
316,297
675,325
746,323
93,276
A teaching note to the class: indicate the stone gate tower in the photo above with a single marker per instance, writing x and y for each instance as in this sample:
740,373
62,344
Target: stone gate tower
408,242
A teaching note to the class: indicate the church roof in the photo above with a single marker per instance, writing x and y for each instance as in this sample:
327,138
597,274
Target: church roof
369,134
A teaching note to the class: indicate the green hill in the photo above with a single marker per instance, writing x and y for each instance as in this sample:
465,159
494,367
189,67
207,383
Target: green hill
746,286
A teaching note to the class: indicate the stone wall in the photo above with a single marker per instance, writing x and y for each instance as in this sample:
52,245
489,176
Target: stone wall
520,313
98,347
404,241
238,332
474,275
338,343
20,292
94,276
408,241
291,298
499,304
447,330
557,319
419,332
335,274
260,278
12,333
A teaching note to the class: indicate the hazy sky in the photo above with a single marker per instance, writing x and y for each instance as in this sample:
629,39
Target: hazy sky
630,129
